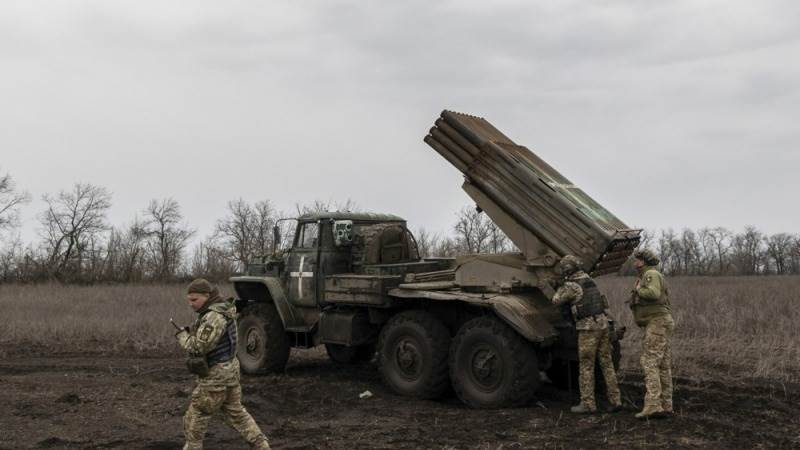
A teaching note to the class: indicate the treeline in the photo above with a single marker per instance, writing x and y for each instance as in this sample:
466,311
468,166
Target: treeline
720,251
78,245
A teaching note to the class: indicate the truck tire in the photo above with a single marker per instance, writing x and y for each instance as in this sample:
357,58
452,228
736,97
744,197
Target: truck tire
263,345
492,366
343,354
413,349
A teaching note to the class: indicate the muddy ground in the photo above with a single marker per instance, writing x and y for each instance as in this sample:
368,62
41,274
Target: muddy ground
136,403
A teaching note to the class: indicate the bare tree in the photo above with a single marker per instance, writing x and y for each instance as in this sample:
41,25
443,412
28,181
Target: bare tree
247,230
10,201
236,229
71,223
264,220
691,256
167,237
427,242
126,253
669,251
210,260
719,239
747,251
779,248
795,255
472,230
498,241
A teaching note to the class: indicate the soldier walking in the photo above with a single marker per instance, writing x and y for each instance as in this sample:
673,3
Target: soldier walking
211,344
651,311
588,308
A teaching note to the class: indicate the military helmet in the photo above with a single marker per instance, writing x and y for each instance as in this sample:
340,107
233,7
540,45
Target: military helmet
569,264
648,256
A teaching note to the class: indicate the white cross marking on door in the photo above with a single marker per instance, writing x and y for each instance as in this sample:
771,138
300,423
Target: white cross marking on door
300,275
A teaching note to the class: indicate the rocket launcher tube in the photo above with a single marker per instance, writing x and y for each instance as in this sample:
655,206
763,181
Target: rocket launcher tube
531,193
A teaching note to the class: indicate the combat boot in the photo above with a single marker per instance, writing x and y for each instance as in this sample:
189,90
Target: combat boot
650,412
583,409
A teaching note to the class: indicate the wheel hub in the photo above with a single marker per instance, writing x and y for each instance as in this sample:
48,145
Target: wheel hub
407,358
486,367
253,342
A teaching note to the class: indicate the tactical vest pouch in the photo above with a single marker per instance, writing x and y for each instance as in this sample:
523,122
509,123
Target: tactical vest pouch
583,310
197,365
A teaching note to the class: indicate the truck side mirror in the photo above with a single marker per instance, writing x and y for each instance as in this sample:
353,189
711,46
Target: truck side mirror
342,232
276,238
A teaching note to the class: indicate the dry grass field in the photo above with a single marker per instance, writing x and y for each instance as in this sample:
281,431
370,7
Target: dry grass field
736,326
740,326
97,367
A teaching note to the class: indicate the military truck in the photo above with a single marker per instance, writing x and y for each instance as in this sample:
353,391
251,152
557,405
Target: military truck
482,324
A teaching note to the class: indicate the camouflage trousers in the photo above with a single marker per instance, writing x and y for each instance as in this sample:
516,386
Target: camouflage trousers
595,344
208,400
657,363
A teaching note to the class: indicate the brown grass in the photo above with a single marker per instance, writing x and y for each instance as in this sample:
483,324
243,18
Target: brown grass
93,319
741,326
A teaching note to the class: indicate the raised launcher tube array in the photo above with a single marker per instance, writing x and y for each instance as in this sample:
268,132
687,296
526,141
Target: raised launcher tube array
542,212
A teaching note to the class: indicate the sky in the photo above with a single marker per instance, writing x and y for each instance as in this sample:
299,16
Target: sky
670,114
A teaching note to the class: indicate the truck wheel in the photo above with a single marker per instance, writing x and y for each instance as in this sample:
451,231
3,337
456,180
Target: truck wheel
263,345
350,355
413,354
492,366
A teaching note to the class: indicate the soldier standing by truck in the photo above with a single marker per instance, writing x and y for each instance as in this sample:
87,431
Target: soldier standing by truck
588,306
211,343
651,311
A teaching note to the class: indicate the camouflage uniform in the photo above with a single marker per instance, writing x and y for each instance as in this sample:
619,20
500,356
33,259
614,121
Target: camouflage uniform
593,342
219,391
651,311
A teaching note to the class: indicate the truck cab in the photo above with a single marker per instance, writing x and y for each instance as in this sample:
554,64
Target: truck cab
282,296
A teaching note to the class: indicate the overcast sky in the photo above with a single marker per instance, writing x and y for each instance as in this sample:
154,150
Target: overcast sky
670,114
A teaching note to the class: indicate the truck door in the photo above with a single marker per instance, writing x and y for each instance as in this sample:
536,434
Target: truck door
302,265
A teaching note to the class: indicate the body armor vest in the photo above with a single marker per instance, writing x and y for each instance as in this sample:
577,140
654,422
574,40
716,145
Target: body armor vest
592,303
226,346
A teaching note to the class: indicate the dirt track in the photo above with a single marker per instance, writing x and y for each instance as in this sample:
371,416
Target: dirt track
80,402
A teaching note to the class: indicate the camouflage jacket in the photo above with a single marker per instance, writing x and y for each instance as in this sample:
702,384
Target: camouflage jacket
651,296
202,337
570,293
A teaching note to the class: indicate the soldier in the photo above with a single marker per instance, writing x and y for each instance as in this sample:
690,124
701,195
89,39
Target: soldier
588,308
211,343
651,311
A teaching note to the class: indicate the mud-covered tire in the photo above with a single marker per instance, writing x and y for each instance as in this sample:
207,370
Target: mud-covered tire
263,345
492,366
343,354
413,351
